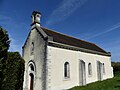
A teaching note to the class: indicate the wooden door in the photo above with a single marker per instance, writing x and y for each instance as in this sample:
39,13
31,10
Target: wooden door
82,72
31,81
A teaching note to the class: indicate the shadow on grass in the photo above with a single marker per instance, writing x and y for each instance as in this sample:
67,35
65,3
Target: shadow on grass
117,86
118,80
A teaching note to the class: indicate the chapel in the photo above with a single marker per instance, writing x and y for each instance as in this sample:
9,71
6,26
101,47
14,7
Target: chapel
55,61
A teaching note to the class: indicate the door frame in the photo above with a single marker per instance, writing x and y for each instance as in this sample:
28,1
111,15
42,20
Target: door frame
99,71
82,73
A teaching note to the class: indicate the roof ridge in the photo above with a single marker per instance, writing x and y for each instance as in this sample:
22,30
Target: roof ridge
68,36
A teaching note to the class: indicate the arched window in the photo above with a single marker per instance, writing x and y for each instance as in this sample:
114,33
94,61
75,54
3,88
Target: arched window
31,75
66,70
31,67
32,48
103,68
89,69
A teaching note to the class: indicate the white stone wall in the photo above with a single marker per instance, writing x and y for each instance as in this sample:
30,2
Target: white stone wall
38,58
56,58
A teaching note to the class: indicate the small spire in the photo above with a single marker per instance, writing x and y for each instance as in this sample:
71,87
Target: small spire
36,18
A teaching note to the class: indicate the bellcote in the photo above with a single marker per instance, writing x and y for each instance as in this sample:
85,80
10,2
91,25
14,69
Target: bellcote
36,18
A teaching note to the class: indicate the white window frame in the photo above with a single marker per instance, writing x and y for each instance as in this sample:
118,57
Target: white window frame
89,69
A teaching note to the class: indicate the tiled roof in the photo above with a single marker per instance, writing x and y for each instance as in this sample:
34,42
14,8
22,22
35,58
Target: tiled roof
68,40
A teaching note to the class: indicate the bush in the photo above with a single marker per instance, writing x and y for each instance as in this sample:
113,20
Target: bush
116,67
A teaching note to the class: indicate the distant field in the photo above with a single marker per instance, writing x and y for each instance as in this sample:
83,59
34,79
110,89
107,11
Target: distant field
110,84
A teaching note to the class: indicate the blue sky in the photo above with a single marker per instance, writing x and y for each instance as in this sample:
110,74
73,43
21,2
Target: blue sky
97,21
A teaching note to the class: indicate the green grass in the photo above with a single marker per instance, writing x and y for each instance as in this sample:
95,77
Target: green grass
109,84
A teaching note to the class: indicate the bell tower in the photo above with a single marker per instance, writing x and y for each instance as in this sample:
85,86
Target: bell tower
36,18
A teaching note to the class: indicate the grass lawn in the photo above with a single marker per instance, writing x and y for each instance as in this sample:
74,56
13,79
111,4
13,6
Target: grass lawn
109,84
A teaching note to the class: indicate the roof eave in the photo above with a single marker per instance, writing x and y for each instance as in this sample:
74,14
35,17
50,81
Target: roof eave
42,32
60,45
45,36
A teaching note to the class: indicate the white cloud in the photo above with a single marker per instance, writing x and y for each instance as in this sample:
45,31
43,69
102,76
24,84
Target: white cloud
14,46
115,52
66,8
4,19
13,28
114,27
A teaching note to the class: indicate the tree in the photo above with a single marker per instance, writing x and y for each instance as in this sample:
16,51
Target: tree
4,46
11,65
14,72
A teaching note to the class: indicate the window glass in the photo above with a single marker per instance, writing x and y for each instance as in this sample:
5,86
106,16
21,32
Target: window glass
103,68
89,69
66,70
32,48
